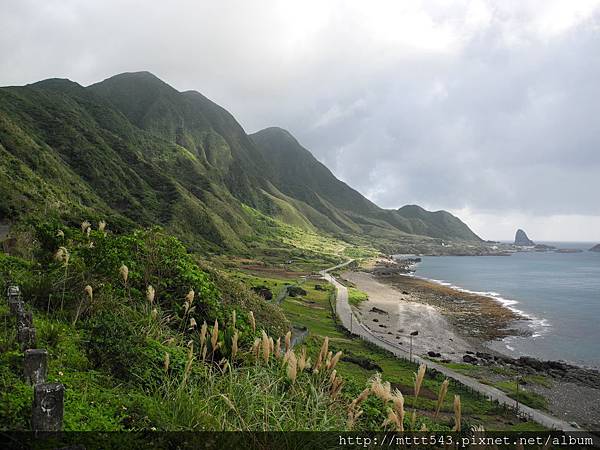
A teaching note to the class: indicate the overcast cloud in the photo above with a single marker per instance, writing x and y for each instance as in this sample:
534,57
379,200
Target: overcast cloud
488,109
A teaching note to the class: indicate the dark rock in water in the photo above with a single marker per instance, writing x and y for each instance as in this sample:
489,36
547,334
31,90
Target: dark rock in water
263,291
379,311
375,320
406,292
470,359
469,352
595,248
543,247
522,239
433,354
568,250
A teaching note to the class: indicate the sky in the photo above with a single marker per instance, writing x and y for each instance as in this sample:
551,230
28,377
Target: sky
490,110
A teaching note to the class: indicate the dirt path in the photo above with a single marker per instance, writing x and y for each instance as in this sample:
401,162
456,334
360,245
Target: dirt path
350,322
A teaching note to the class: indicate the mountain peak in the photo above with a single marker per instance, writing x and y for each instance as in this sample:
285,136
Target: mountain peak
522,239
57,84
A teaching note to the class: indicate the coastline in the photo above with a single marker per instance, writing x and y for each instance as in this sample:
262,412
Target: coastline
457,326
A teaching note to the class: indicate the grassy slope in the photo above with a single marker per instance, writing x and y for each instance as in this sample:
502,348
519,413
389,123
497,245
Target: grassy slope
135,151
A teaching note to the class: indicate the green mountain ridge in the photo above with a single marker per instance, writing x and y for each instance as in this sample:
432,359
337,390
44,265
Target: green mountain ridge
132,149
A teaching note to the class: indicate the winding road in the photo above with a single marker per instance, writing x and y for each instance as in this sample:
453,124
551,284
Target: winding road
350,322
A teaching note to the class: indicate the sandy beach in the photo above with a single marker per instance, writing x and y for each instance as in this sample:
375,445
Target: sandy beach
394,315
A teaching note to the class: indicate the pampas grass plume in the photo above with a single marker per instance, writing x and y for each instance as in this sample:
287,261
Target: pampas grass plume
252,321
189,298
214,336
234,344
334,361
266,346
167,361
124,271
203,330
457,413
278,348
292,366
288,340
150,292
419,379
89,291
441,396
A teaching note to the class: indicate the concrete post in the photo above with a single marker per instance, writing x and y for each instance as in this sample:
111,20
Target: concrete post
16,306
26,337
48,407
13,291
24,319
35,366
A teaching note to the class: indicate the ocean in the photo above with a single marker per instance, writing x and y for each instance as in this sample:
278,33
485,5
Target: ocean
558,292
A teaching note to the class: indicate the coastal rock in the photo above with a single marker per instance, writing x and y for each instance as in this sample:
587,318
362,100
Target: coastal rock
470,359
595,248
378,311
433,354
522,239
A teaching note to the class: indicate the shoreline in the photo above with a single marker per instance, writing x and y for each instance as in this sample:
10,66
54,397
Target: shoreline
571,391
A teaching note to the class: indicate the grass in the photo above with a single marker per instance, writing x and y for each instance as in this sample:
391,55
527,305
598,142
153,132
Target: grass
314,312
356,296
504,379
522,395
112,359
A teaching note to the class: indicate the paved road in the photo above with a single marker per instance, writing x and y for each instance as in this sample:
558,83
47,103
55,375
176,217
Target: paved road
350,322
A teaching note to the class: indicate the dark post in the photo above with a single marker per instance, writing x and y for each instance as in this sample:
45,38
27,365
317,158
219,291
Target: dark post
24,319
26,337
35,366
16,306
48,407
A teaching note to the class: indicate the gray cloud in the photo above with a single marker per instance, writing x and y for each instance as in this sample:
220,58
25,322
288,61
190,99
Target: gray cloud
488,109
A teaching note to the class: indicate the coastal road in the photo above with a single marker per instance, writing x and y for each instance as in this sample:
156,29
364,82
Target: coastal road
350,322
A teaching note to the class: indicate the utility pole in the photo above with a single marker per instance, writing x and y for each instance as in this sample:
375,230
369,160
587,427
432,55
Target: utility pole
413,334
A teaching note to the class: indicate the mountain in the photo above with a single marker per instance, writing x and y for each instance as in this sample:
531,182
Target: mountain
595,248
522,239
298,174
133,149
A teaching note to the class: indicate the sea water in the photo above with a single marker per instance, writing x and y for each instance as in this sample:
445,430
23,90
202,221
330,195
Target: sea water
558,292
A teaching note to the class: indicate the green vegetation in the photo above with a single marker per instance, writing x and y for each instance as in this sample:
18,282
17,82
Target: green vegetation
361,361
504,378
136,152
136,358
356,296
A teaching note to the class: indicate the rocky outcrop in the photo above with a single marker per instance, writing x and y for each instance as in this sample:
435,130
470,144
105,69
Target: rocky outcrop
522,239
595,248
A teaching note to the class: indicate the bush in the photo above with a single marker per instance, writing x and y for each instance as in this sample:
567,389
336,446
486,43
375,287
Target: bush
113,345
